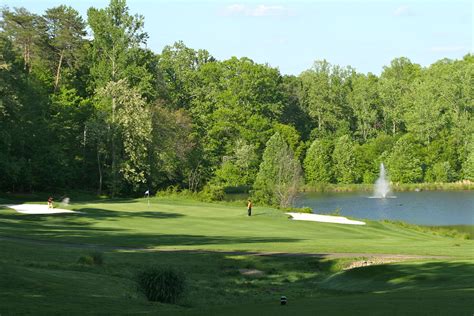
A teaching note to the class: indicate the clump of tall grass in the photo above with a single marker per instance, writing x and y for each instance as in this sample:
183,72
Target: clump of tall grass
161,284
93,258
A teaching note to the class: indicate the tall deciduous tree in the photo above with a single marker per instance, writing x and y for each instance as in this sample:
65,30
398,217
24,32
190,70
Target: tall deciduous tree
239,169
324,90
174,149
317,163
116,34
279,177
344,160
369,156
468,164
364,101
403,161
133,124
395,84
292,138
179,66
425,118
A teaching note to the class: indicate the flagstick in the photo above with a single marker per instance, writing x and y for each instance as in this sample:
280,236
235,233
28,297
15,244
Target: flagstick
147,193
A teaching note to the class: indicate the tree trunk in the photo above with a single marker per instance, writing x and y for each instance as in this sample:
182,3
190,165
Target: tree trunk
24,57
364,133
114,162
114,158
58,71
99,191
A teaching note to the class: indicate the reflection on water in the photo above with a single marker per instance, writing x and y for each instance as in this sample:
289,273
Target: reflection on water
422,208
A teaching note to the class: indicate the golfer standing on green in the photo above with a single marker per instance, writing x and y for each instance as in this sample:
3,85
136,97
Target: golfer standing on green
249,208
50,202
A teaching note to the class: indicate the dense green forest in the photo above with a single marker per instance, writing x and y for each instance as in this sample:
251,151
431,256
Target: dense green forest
104,113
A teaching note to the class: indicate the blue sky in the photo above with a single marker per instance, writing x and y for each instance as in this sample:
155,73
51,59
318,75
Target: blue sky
291,35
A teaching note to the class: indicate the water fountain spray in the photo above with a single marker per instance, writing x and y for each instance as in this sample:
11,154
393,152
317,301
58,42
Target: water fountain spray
382,186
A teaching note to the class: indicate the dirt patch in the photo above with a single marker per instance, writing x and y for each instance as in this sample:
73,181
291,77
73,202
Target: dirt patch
375,261
251,272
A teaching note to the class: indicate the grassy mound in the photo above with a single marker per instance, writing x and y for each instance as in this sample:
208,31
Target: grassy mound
404,276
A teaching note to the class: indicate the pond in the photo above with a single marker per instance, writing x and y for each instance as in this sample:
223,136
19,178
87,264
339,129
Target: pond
421,208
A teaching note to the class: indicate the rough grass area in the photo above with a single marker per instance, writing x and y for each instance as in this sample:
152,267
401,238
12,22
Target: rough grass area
466,229
453,231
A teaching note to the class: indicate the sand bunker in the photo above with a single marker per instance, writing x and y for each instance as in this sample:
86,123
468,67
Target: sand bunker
323,218
37,209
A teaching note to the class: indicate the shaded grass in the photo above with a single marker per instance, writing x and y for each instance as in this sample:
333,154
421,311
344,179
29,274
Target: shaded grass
442,302
51,275
45,280
40,291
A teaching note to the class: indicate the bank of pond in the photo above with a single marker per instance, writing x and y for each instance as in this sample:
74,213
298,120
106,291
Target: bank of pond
395,187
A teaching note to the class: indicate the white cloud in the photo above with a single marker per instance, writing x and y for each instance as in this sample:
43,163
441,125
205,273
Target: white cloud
256,11
403,11
447,49
235,9
268,10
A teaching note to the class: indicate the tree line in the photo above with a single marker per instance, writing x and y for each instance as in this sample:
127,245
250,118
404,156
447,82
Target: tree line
105,113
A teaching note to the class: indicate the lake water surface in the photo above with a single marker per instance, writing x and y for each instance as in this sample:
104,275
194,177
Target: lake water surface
421,208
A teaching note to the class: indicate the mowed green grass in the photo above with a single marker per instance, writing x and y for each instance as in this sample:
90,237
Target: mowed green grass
39,273
184,224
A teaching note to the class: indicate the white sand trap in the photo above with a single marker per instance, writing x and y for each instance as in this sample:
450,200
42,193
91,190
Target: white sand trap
323,218
37,209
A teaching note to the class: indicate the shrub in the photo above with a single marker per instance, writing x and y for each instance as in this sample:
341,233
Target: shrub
160,284
93,258
97,257
212,192
305,209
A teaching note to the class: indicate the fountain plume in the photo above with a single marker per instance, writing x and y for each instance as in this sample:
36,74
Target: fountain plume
382,186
